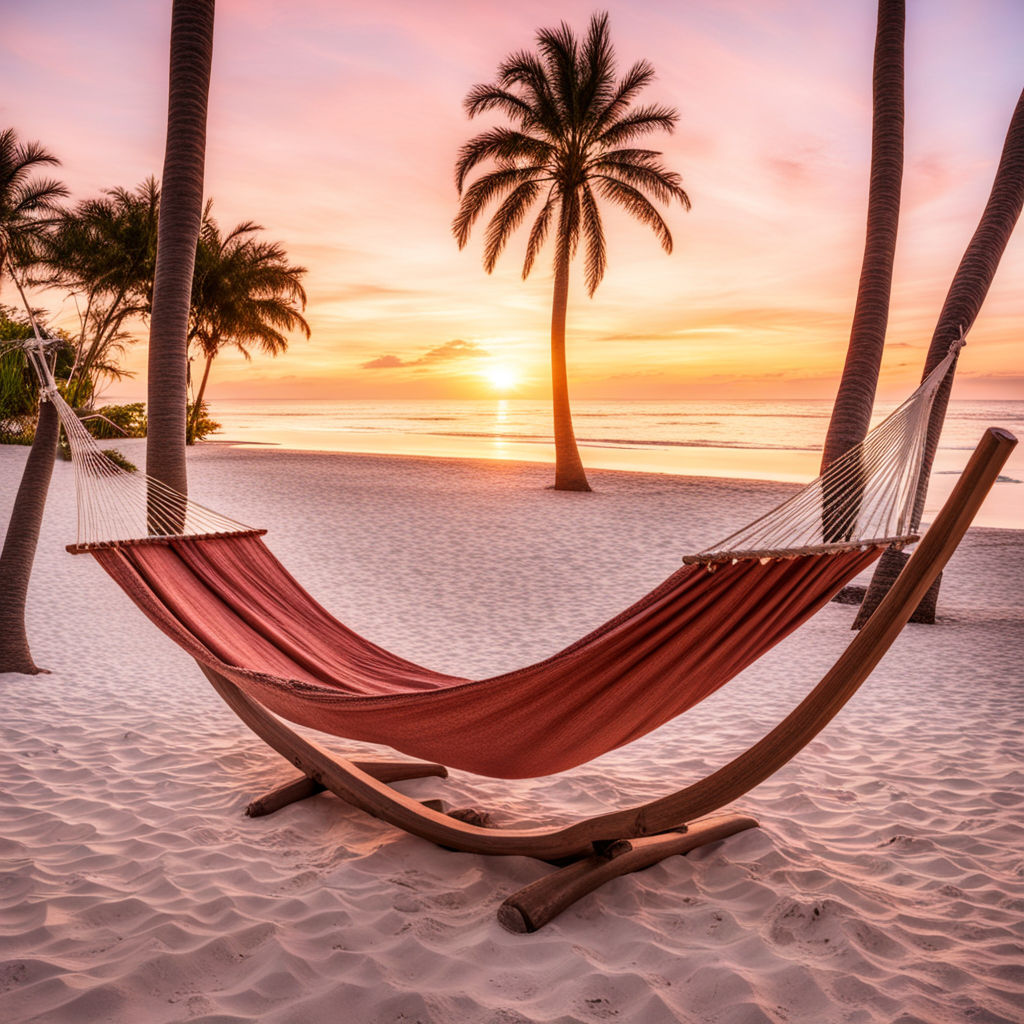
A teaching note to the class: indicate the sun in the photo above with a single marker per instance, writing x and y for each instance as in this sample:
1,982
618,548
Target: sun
501,377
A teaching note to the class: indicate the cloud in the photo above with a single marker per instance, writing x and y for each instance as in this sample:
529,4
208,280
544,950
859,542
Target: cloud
450,350
383,363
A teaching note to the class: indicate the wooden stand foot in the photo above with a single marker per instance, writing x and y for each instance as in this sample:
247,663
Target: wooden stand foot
532,907
304,786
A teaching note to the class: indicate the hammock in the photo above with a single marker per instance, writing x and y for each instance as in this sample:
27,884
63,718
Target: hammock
211,584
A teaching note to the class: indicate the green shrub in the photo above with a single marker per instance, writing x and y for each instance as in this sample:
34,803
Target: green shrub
118,421
204,425
119,460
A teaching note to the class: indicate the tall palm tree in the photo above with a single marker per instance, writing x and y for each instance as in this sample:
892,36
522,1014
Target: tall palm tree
571,142
26,204
244,294
964,300
851,414
181,209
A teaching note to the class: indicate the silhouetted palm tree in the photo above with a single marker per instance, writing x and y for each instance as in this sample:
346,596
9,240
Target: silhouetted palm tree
181,210
26,204
244,294
572,143
104,251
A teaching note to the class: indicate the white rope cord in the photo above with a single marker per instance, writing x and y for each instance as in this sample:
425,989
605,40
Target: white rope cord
113,503
864,498
117,505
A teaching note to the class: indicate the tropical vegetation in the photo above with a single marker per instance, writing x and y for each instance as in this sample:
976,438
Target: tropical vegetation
244,294
102,252
573,140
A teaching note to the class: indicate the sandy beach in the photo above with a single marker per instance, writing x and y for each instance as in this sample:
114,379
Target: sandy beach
886,882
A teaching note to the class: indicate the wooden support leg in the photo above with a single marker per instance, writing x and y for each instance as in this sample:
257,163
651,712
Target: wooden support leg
304,786
532,907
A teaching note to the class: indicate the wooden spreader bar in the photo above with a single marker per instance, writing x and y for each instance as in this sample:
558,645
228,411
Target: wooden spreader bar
712,557
157,538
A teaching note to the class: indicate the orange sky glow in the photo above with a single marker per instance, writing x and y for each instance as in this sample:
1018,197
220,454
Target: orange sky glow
336,126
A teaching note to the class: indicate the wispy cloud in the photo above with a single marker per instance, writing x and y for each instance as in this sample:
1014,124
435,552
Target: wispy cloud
446,353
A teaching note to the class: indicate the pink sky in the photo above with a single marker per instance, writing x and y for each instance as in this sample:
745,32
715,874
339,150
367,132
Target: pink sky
336,126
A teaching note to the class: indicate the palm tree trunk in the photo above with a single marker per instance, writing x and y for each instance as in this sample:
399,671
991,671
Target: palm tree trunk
851,415
963,303
198,404
973,278
20,544
569,473
181,207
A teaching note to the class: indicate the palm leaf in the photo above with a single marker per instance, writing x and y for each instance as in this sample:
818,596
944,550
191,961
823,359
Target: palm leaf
507,218
637,204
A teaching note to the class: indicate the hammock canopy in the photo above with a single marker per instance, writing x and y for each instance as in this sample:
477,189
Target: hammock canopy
232,606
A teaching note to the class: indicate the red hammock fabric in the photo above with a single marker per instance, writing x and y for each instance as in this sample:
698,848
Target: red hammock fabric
232,605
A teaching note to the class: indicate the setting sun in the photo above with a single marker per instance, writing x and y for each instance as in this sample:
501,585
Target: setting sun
501,378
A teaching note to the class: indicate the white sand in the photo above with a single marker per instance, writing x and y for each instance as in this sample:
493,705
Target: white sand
886,882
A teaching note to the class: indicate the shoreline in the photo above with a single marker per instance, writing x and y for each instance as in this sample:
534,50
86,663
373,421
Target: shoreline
1003,509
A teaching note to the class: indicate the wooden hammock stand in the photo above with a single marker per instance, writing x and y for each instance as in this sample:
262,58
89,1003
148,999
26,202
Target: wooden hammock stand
598,849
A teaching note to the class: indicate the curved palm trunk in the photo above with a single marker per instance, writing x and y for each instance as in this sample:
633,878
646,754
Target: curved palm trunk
963,302
181,207
198,404
851,415
569,473
20,544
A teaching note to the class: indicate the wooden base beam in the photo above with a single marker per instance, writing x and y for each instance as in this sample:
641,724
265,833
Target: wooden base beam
535,905
304,787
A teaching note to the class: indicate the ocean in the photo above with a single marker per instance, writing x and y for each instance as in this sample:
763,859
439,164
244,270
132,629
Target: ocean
767,440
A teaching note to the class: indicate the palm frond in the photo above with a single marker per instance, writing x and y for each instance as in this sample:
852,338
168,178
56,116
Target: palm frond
560,53
482,98
655,178
482,191
597,68
640,75
637,204
523,69
593,234
499,144
539,232
569,223
641,122
506,219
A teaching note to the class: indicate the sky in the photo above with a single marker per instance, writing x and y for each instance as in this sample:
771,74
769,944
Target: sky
336,125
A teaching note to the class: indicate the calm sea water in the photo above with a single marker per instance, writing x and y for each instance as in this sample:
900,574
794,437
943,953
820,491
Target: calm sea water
754,439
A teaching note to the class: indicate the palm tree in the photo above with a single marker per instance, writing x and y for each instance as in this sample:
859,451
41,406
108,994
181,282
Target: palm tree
245,294
964,300
26,205
572,142
104,250
851,414
181,209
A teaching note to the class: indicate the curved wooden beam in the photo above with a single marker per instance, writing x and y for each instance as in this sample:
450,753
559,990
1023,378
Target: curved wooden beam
359,788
